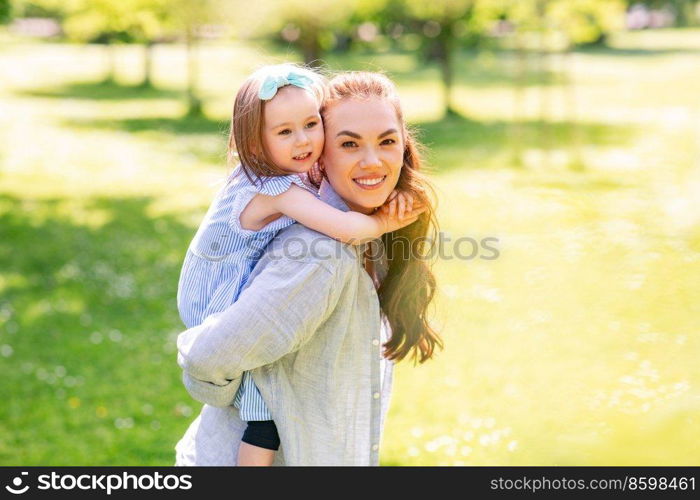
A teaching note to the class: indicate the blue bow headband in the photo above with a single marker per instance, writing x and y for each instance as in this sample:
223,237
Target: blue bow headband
271,83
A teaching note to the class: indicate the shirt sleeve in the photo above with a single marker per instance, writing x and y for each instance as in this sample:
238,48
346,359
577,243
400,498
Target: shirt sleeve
279,311
271,186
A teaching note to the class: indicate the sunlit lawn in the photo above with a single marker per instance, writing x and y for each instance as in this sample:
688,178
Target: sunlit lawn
577,345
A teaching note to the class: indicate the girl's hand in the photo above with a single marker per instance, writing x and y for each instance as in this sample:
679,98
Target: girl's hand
392,222
399,204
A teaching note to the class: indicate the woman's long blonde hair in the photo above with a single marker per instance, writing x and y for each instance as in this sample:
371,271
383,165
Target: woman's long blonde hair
409,287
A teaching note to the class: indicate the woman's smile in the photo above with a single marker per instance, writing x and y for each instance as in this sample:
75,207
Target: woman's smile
370,182
363,152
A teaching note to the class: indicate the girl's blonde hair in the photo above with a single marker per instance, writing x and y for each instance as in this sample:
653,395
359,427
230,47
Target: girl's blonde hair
409,286
245,141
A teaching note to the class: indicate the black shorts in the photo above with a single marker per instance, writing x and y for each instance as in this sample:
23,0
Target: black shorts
262,433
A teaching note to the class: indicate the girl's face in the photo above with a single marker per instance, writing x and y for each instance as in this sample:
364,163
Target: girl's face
293,131
364,150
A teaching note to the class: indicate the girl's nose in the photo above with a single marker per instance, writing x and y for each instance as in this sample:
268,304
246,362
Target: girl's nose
302,139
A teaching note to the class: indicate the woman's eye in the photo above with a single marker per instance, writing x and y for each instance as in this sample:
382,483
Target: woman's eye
349,144
284,132
387,142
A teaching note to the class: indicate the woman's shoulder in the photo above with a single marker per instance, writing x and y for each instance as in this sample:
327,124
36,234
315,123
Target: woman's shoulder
301,244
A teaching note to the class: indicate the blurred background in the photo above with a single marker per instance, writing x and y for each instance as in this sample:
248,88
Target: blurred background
568,130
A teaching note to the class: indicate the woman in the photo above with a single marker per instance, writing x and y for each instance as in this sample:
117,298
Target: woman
307,325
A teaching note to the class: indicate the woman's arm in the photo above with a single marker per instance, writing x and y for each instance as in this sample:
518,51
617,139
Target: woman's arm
282,307
349,227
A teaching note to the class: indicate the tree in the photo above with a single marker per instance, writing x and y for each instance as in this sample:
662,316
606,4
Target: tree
99,21
5,11
545,27
446,25
149,21
311,26
145,21
582,22
187,17
685,11
110,22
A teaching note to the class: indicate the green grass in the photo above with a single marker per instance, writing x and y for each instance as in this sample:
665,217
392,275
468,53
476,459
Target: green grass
578,345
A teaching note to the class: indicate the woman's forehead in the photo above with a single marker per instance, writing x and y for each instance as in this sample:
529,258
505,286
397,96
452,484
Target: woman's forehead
353,114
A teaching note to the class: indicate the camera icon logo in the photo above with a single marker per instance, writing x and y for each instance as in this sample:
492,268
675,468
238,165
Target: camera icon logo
17,482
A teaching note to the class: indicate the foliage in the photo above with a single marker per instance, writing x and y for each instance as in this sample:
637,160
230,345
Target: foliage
313,27
445,25
686,11
55,9
127,20
581,21
5,11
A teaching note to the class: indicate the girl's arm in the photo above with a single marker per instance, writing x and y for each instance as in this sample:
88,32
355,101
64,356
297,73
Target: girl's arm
349,227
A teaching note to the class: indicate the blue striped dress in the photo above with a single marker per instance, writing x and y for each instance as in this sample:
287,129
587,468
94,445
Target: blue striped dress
220,259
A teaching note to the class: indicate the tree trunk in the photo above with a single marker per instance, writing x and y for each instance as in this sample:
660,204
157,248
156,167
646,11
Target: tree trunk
684,13
543,68
576,161
519,81
311,46
445,56
147,64
312,54
111,63
194,107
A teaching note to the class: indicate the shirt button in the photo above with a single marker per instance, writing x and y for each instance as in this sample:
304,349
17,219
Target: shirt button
375,342
375,395
375,447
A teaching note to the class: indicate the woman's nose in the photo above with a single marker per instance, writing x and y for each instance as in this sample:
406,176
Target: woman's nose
370,159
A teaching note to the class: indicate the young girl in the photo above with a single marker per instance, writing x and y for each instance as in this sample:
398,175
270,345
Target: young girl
277,132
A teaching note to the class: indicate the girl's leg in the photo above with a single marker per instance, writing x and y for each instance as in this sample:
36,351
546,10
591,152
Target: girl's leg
254,456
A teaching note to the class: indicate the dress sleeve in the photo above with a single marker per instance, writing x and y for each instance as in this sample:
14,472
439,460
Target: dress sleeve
271,186
278,312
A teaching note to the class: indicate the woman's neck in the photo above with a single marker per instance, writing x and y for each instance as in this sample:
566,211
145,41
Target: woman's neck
356,208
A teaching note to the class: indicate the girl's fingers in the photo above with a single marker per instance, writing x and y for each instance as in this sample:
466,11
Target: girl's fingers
402,207
409,204
418,210
392,208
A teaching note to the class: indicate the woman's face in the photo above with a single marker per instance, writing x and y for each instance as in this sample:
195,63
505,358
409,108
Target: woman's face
363,153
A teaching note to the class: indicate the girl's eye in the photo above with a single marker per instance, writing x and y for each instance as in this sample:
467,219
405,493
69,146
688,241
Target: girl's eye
284,132
349,144
311,124
387,142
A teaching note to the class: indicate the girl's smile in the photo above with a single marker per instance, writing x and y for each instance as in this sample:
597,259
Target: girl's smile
293,132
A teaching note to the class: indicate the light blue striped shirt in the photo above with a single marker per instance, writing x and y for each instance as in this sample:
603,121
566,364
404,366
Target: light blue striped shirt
220,259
